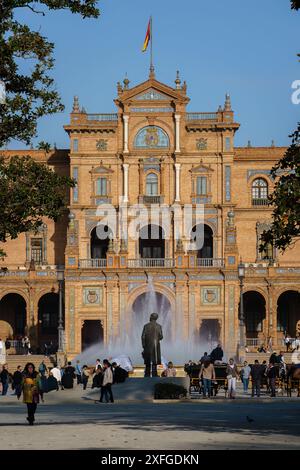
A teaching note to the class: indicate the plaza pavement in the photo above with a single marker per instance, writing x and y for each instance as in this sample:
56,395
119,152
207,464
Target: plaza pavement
70,419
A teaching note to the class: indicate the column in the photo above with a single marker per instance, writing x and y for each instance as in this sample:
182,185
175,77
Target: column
125,119
177,182
177,132
125,182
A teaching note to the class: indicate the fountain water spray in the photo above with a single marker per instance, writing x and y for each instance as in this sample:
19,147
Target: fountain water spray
174,347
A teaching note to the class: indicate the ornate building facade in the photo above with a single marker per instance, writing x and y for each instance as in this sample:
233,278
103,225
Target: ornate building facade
153,152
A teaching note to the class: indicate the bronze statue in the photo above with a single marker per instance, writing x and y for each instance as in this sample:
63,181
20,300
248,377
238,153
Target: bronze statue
151,336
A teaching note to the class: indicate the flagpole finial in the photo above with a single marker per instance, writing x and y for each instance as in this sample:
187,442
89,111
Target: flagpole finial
151,72
177,81
126,82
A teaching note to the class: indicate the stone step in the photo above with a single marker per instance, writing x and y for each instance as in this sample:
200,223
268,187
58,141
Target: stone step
14,361
250,357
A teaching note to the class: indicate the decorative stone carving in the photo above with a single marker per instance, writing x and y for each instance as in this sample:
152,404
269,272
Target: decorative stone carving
101,144
92,295
201,144
210,295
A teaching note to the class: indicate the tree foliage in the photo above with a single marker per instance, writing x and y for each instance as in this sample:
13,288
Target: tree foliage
26,60
285,198
295,4
29,191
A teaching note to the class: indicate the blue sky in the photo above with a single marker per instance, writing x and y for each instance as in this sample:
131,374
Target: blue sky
245,48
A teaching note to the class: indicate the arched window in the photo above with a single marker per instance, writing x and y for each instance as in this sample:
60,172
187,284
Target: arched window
151,137
259,192
151,184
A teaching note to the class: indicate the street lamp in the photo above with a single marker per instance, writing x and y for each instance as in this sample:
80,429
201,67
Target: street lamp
242,343
60,278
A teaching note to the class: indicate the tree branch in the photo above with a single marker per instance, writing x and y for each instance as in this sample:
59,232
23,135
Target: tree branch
34,11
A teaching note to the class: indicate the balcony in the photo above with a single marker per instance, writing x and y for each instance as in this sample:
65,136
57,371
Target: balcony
102,117
202,116
151,263
93,263
260,202
210,262
147,200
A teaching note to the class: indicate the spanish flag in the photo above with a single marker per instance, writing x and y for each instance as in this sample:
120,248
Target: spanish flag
148,37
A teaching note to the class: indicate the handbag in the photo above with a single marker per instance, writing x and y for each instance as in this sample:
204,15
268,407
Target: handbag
229,376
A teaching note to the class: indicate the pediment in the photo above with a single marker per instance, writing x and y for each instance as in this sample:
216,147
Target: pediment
101,170
152,91
201,169
152,95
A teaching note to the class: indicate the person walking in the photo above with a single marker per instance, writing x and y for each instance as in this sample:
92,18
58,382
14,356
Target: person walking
31,390
78,372
245,374
256,376
17,382
4,378
85,376
107,383
232,375
207,373
57,374
272,374
69,376
42,368
98,378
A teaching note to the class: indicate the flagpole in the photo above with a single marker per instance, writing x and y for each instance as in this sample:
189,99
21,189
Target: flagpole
151,56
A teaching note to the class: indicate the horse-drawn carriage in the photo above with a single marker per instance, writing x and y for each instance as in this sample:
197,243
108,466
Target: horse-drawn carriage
196,386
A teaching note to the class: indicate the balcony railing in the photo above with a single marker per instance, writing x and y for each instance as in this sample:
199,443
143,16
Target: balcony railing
260,202
102,117
201,116
253,342
151,199
210,262
93,263
151,263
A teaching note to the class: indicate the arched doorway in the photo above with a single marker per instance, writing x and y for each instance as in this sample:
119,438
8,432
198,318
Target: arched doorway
254,312
288,312
91,334
100,236
12,316
210,332
204,238
48,309
152,242
147,303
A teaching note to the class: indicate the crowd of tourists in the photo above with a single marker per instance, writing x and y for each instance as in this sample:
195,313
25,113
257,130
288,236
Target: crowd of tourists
33,384
258,374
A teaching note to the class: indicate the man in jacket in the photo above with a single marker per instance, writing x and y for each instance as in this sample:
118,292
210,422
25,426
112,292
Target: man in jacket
4,378
17,381
107,383
256,375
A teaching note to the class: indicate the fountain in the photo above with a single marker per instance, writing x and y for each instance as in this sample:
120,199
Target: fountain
174,347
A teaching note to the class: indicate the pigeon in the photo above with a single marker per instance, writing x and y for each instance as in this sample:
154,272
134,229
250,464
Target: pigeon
250,420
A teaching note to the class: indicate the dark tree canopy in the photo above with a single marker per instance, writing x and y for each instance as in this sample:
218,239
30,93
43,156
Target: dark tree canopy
30,95
29,191
295,4
285,198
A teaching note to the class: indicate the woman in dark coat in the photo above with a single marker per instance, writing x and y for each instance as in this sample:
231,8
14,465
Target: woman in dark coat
69,376
30,389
